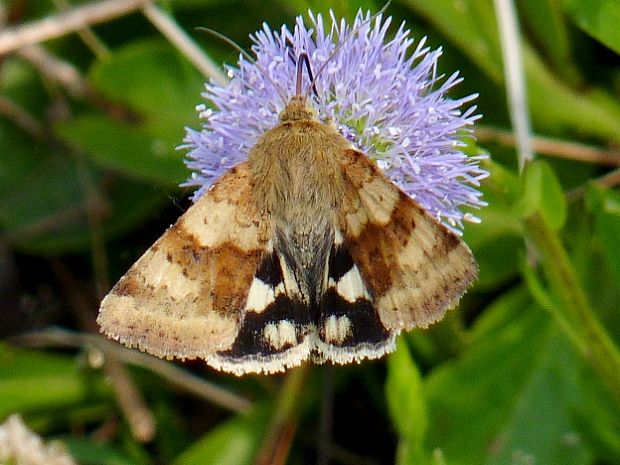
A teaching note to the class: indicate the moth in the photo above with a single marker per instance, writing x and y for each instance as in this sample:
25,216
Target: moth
306,251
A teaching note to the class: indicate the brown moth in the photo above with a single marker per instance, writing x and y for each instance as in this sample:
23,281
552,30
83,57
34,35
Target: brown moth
306,251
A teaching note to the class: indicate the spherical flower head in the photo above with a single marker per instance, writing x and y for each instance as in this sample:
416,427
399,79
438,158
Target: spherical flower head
382,94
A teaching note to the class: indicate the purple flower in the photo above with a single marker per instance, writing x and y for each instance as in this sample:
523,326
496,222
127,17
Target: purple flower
383,95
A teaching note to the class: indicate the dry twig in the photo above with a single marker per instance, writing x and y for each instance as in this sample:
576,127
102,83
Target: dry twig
552,147
135,410
87,35
176,376
13,112
55,69
171,30
63,23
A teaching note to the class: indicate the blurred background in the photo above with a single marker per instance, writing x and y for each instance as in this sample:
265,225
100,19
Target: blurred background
94,98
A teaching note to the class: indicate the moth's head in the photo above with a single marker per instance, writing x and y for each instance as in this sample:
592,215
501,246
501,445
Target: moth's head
296,109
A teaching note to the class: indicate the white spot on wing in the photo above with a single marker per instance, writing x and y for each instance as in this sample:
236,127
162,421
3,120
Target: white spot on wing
291,287
280,334
261,295
350,286
337,329
338,239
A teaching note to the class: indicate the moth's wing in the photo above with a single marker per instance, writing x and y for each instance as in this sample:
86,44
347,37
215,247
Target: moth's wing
414,266
349,327
186,295
277,329
411,267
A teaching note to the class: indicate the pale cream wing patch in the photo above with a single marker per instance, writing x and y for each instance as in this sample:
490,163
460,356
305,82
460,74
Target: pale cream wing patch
414,267
186,295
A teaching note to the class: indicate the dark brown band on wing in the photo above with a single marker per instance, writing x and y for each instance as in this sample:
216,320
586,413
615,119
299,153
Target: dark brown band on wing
377,248
224,272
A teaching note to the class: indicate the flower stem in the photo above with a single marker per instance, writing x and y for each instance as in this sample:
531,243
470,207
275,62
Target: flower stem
596,346
281,431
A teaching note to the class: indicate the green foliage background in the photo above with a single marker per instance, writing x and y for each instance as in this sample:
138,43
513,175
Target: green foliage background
525,371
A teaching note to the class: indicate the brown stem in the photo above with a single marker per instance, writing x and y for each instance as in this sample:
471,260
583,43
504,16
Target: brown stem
610,179
63,23
22,119
279,437
171,373
135,410
55,69
552,147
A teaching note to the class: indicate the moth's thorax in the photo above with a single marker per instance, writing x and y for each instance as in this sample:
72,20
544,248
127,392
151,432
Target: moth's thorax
296,165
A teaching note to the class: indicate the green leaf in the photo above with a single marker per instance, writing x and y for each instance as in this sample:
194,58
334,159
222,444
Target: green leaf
497,239
555,106
500,313
604,204
593,260
131,150
34,381
164,102
45,212
509,397
597,418
405,400
497,260
599,18
542,193
45,203
502,185
549,302
89,453
544,21
154,80
234,442
471,26
18,158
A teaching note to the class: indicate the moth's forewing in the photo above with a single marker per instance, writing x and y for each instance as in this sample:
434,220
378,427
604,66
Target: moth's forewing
186,295
414,266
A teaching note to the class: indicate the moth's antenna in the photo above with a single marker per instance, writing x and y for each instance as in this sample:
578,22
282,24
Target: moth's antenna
344,41
247,56
291,53
301,59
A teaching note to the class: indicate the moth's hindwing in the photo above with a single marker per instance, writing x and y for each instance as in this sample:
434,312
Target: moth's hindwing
349,327
277,330
414,267
186,295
